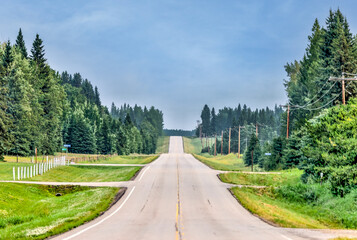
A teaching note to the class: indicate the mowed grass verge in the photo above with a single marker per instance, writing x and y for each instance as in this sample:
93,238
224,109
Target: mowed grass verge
78,173
287,202
6,169
256,179
163,144
192,145
34,211
228,162
130,159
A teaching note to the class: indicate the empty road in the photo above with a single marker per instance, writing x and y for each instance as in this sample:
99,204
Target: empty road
178,197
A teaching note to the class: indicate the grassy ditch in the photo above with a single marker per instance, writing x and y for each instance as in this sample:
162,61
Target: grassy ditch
273,179
163,144
87,174
228,162
34,211
287,202
130,159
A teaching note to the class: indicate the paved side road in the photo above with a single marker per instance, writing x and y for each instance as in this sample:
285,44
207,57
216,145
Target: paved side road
178,197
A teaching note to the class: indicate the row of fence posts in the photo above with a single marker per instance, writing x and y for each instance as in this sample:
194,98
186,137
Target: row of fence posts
39,168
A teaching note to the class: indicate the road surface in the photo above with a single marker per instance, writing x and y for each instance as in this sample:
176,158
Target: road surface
178,197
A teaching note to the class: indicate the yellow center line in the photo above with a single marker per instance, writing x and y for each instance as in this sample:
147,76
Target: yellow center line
179,232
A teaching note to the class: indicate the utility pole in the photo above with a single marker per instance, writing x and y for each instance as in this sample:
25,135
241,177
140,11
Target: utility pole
239,140
229,141
343,79
222,144
287,119
215,145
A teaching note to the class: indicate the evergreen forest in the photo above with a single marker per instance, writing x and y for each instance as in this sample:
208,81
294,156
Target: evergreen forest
42,109
322,139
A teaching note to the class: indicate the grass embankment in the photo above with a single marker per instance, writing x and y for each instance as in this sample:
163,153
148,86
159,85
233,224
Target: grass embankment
130,159
255,179
163,144
293,204
6,169
228,162
87,174
192,145
34,212
74,173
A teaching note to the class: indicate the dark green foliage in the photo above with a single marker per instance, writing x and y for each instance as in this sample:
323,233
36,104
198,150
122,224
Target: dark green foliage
253,148
179,132
38,57
20,44
79,134
7,57
328,145
206,119
42,109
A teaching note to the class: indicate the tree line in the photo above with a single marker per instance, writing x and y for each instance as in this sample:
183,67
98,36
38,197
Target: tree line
42,109
266,120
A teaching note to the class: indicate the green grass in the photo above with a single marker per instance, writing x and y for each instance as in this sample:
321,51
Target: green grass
289,203
131,159
192,145
6,169
34,212
163,144
276,180
228,162
87,174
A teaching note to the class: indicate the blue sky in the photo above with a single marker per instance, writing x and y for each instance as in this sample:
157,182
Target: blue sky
175,54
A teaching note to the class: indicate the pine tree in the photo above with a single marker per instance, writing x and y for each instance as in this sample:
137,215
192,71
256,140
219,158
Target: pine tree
7,57
20,44
38,57
5,120
96,97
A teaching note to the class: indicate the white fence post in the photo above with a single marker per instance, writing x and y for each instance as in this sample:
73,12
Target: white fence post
18,173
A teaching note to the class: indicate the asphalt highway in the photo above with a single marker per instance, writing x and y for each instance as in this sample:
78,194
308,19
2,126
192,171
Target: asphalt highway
178,197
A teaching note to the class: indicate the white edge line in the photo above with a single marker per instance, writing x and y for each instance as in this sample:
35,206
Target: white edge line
101,221
143,173
285,237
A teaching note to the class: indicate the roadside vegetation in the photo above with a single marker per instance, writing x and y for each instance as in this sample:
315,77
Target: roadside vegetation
192,145
225,163
316,158
78,173
34,211
300,206
126,159
163,144
278,179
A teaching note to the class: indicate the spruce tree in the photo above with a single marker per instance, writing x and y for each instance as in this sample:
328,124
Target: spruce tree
7,57
38,56
20,44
